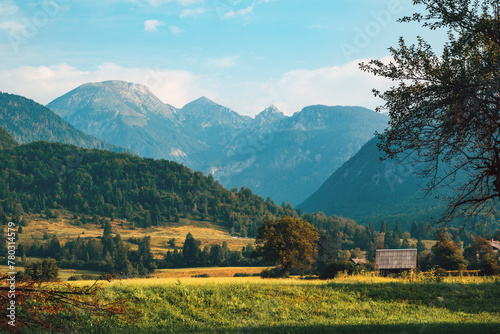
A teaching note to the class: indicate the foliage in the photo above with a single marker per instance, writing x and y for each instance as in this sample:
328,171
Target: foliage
59,307
6,140
446,255
287,242
481,256
215,255
45,177
445,111
45,270
338,267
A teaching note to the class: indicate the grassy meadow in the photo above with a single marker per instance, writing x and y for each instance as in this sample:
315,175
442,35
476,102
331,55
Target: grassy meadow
207,233
348,304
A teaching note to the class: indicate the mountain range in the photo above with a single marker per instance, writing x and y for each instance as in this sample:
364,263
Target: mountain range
369,190
27,121
284,157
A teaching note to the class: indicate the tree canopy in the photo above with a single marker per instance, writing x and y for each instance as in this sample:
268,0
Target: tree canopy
445,109
287,242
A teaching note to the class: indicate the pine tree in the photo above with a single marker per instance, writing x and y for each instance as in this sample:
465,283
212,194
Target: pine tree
420,246
397,229
383,227
414,230
190,250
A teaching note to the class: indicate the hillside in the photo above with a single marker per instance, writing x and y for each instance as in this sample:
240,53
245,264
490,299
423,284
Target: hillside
29,121
40,177
288,158
368,190
6,140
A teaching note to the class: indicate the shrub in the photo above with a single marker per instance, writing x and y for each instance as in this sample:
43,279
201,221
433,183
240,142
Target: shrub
201,275
336,267
84,277
242,275
274,273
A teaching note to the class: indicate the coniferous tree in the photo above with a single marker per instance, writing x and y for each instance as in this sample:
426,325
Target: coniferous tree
420,246
383,227
414,230
397,229
190,250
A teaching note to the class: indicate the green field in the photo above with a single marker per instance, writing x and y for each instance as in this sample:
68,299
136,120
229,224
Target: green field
345,305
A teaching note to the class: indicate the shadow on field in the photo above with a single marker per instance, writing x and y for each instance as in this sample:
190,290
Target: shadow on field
462,297
368,329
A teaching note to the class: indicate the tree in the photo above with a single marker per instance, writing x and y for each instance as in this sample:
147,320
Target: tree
287,242
445,254
383,227
481,256
420,246
328,249
391,241
405,244
45,270
397,229
190,250
445,110
414,231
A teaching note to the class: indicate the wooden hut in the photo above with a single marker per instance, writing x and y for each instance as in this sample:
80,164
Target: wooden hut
395,260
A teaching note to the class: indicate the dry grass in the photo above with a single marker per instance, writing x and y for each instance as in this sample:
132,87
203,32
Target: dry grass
206,232
213,272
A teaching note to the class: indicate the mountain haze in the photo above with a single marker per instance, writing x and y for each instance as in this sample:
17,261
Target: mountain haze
130,115
286,158
366,189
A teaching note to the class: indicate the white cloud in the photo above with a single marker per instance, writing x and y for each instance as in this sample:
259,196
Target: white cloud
8,8
45,83
175,30
152,25
224,62
294,90
241,12
290,92
193,12
12,27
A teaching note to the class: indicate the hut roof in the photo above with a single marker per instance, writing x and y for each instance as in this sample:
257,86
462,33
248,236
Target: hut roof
395,259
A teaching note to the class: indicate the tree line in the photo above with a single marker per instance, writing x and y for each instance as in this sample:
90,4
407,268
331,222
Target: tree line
42,178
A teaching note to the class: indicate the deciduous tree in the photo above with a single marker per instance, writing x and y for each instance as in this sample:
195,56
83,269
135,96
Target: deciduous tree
445,109
287,242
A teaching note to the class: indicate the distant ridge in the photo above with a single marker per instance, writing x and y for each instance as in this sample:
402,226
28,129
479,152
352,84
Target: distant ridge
286,158
27,121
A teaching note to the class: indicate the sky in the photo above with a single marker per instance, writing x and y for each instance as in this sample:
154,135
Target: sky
243,54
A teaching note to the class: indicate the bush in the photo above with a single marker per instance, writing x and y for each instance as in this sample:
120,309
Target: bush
336,267
201,275
242,275
274,273
84,277
45,270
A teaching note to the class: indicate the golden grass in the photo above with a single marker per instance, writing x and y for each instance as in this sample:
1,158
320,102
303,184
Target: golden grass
190,281
206,232
213,272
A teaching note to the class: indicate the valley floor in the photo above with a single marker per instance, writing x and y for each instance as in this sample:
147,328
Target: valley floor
363,304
